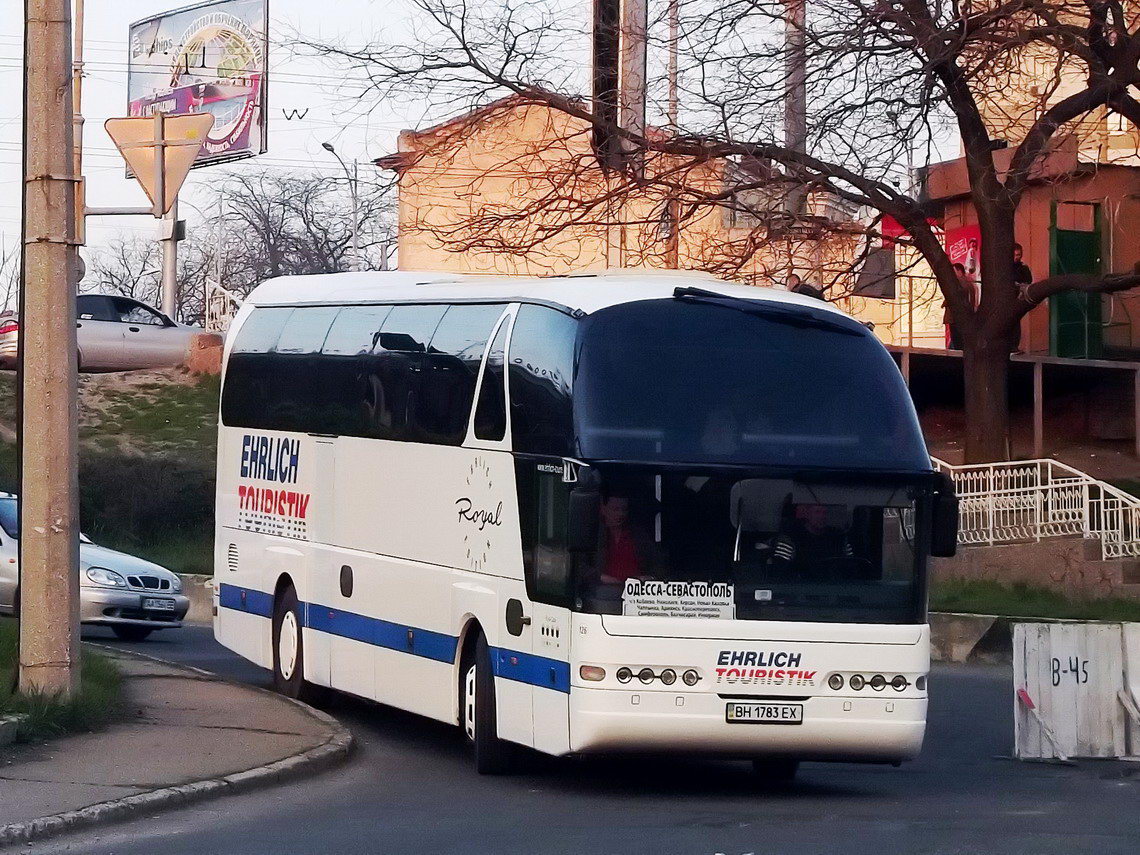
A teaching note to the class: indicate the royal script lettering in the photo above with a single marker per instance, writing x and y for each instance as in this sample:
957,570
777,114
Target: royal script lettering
479,516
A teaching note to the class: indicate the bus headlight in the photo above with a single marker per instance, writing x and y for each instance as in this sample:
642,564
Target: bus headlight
624,675
645,675
878,682
668,676
835,681
920,682
899,682
592,673
856,682
690,677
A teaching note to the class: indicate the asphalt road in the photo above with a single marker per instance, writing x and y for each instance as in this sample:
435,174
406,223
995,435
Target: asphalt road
410,788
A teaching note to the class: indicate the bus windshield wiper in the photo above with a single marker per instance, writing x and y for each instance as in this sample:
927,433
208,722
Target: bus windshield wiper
799,316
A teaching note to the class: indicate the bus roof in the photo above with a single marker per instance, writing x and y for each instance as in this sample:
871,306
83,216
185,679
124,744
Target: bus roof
584,292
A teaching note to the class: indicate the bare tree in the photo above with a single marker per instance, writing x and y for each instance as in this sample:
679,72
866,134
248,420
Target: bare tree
266,224
885,80
9,275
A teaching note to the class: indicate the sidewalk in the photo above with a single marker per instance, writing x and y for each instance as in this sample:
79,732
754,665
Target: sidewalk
185,735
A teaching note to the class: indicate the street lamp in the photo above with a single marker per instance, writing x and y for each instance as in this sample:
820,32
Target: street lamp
327,146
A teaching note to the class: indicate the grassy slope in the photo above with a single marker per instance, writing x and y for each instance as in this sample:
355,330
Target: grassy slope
993,598
96,704
147,451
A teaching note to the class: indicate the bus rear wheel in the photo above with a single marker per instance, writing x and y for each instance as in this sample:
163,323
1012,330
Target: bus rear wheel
289,647
493,756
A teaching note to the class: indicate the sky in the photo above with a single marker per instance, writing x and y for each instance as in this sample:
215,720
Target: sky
327,96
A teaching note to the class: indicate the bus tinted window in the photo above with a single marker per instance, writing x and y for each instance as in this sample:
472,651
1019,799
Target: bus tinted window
299,400
410,328
251,378
541,377
491,411
392,376
447,385
306,329
355,331
261,330
673,380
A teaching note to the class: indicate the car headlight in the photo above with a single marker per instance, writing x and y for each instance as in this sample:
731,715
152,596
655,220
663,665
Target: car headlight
176,584
106,578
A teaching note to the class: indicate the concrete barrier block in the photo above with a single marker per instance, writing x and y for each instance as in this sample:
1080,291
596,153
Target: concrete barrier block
200,591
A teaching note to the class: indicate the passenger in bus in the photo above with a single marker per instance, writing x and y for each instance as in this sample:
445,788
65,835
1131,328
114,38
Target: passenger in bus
810,544
624,550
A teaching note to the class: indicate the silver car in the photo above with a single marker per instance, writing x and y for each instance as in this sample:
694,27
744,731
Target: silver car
132,596
115,334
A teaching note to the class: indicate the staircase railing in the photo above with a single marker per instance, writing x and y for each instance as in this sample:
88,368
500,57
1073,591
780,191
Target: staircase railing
1027,500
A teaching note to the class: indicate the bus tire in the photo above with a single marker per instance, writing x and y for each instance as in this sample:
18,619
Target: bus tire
775,770
288,646
493,756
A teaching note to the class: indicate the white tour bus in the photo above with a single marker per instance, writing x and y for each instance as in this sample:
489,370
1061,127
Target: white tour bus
614,513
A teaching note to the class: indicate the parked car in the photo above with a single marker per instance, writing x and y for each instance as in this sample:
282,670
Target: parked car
132,596
115,334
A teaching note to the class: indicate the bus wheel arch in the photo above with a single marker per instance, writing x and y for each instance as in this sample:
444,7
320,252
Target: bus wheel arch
288,643
465,651
478,707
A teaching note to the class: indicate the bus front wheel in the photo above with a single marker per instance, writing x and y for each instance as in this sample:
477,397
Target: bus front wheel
493,756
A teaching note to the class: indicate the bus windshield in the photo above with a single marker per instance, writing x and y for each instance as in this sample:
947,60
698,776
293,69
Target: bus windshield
753,548
759,384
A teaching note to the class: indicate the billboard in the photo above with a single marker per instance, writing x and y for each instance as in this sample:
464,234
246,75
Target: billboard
211,57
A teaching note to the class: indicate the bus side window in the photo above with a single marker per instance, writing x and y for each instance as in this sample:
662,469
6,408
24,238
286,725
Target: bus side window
296,363
343,361
491,410
394,369
447,385
541,378
250,381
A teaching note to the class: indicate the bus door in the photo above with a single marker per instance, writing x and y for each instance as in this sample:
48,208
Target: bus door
325,603
550,624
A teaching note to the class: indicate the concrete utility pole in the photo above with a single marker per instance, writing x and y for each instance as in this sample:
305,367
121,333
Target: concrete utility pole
49,533
795,91
632,75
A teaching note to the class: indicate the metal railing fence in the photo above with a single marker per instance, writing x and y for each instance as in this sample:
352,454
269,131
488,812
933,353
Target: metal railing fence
1027,500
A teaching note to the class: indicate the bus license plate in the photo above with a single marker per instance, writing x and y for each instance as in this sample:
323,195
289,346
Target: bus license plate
764,713
157,605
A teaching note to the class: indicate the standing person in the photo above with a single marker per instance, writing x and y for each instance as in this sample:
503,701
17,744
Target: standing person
1022,278
953,339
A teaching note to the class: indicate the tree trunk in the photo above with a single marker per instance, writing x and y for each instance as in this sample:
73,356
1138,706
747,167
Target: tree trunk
985,368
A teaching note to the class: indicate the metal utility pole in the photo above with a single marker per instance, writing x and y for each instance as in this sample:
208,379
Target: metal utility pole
674,108
352,179
795,90
49,541
169,236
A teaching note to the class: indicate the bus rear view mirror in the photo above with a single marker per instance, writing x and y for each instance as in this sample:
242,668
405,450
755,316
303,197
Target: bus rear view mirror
944,519
584,511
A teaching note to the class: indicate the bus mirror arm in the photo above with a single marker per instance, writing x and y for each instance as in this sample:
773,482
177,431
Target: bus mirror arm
944,519
582,528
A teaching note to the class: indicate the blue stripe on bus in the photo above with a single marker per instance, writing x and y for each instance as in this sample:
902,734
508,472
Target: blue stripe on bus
529,668
382,633
440,647
245,600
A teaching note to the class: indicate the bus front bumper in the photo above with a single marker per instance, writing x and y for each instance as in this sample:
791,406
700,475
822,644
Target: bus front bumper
875,728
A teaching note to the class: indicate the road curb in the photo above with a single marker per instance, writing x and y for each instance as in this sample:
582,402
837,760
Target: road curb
332,751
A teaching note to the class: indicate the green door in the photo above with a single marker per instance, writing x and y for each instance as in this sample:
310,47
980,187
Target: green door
1075,324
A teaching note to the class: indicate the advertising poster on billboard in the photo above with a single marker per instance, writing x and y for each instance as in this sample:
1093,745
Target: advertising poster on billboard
210,57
